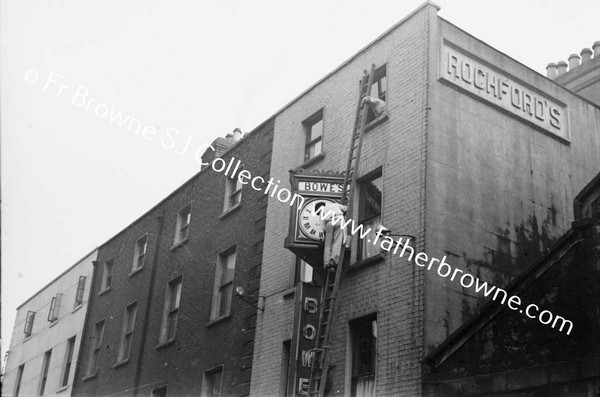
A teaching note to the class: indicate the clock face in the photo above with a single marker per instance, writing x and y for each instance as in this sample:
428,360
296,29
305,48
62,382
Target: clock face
309,223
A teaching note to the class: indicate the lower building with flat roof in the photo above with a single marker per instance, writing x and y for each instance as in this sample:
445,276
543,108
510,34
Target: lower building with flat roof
44,347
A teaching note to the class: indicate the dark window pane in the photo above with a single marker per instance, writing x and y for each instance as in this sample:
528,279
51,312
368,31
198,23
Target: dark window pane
370,199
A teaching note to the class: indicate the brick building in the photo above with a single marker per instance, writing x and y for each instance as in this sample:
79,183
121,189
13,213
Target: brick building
44,346
164,317
477,157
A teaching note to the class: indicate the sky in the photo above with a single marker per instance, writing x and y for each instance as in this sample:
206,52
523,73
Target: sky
74,172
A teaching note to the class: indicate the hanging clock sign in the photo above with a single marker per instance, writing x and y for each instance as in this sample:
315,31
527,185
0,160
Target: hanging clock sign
317,188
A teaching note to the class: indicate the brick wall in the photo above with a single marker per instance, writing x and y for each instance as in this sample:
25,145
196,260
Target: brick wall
199,344
390,288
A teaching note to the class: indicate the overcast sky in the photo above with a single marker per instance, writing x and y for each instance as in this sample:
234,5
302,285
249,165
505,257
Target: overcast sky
71,178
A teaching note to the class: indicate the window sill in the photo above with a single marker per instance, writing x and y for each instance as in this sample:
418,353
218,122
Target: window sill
104,291
121,363
356,266
26,338
79,306
90,376
53,323
375,122
136,271
62,389
179,244
312,161
218,321
162,345
230,210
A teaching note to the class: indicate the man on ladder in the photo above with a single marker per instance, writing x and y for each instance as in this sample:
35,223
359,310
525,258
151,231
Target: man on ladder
332,216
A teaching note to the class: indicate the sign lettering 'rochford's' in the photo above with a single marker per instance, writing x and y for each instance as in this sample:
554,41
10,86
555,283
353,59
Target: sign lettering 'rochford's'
499,90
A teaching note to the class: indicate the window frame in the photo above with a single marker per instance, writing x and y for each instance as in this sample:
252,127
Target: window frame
172,294
127,330
139,256
18,381
54,310
66,369
107,276
307,126
379,74
362,218
231,192
284,378
220,285
28,329
207,377
96,348
355,334
182,226
44,373
80,292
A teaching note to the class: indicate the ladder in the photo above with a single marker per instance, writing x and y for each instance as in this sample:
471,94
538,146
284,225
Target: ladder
321,356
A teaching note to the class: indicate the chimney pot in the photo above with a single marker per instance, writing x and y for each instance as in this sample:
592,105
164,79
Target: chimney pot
596,48
551,70
237,134
586,55
573,61
229,136
562,68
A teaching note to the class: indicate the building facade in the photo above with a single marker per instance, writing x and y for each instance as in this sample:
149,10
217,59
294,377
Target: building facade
164,317
44,347
501,351
476,157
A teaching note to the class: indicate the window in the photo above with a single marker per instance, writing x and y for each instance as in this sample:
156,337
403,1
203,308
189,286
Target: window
284,378
183,224
127,332
378,90
139,254
96,346
80,291
29,323
160,392
313,128
170,311
369,215
44,376
233,193
107,274
212,382
363,334
19,379
223,289
68,361
54,308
